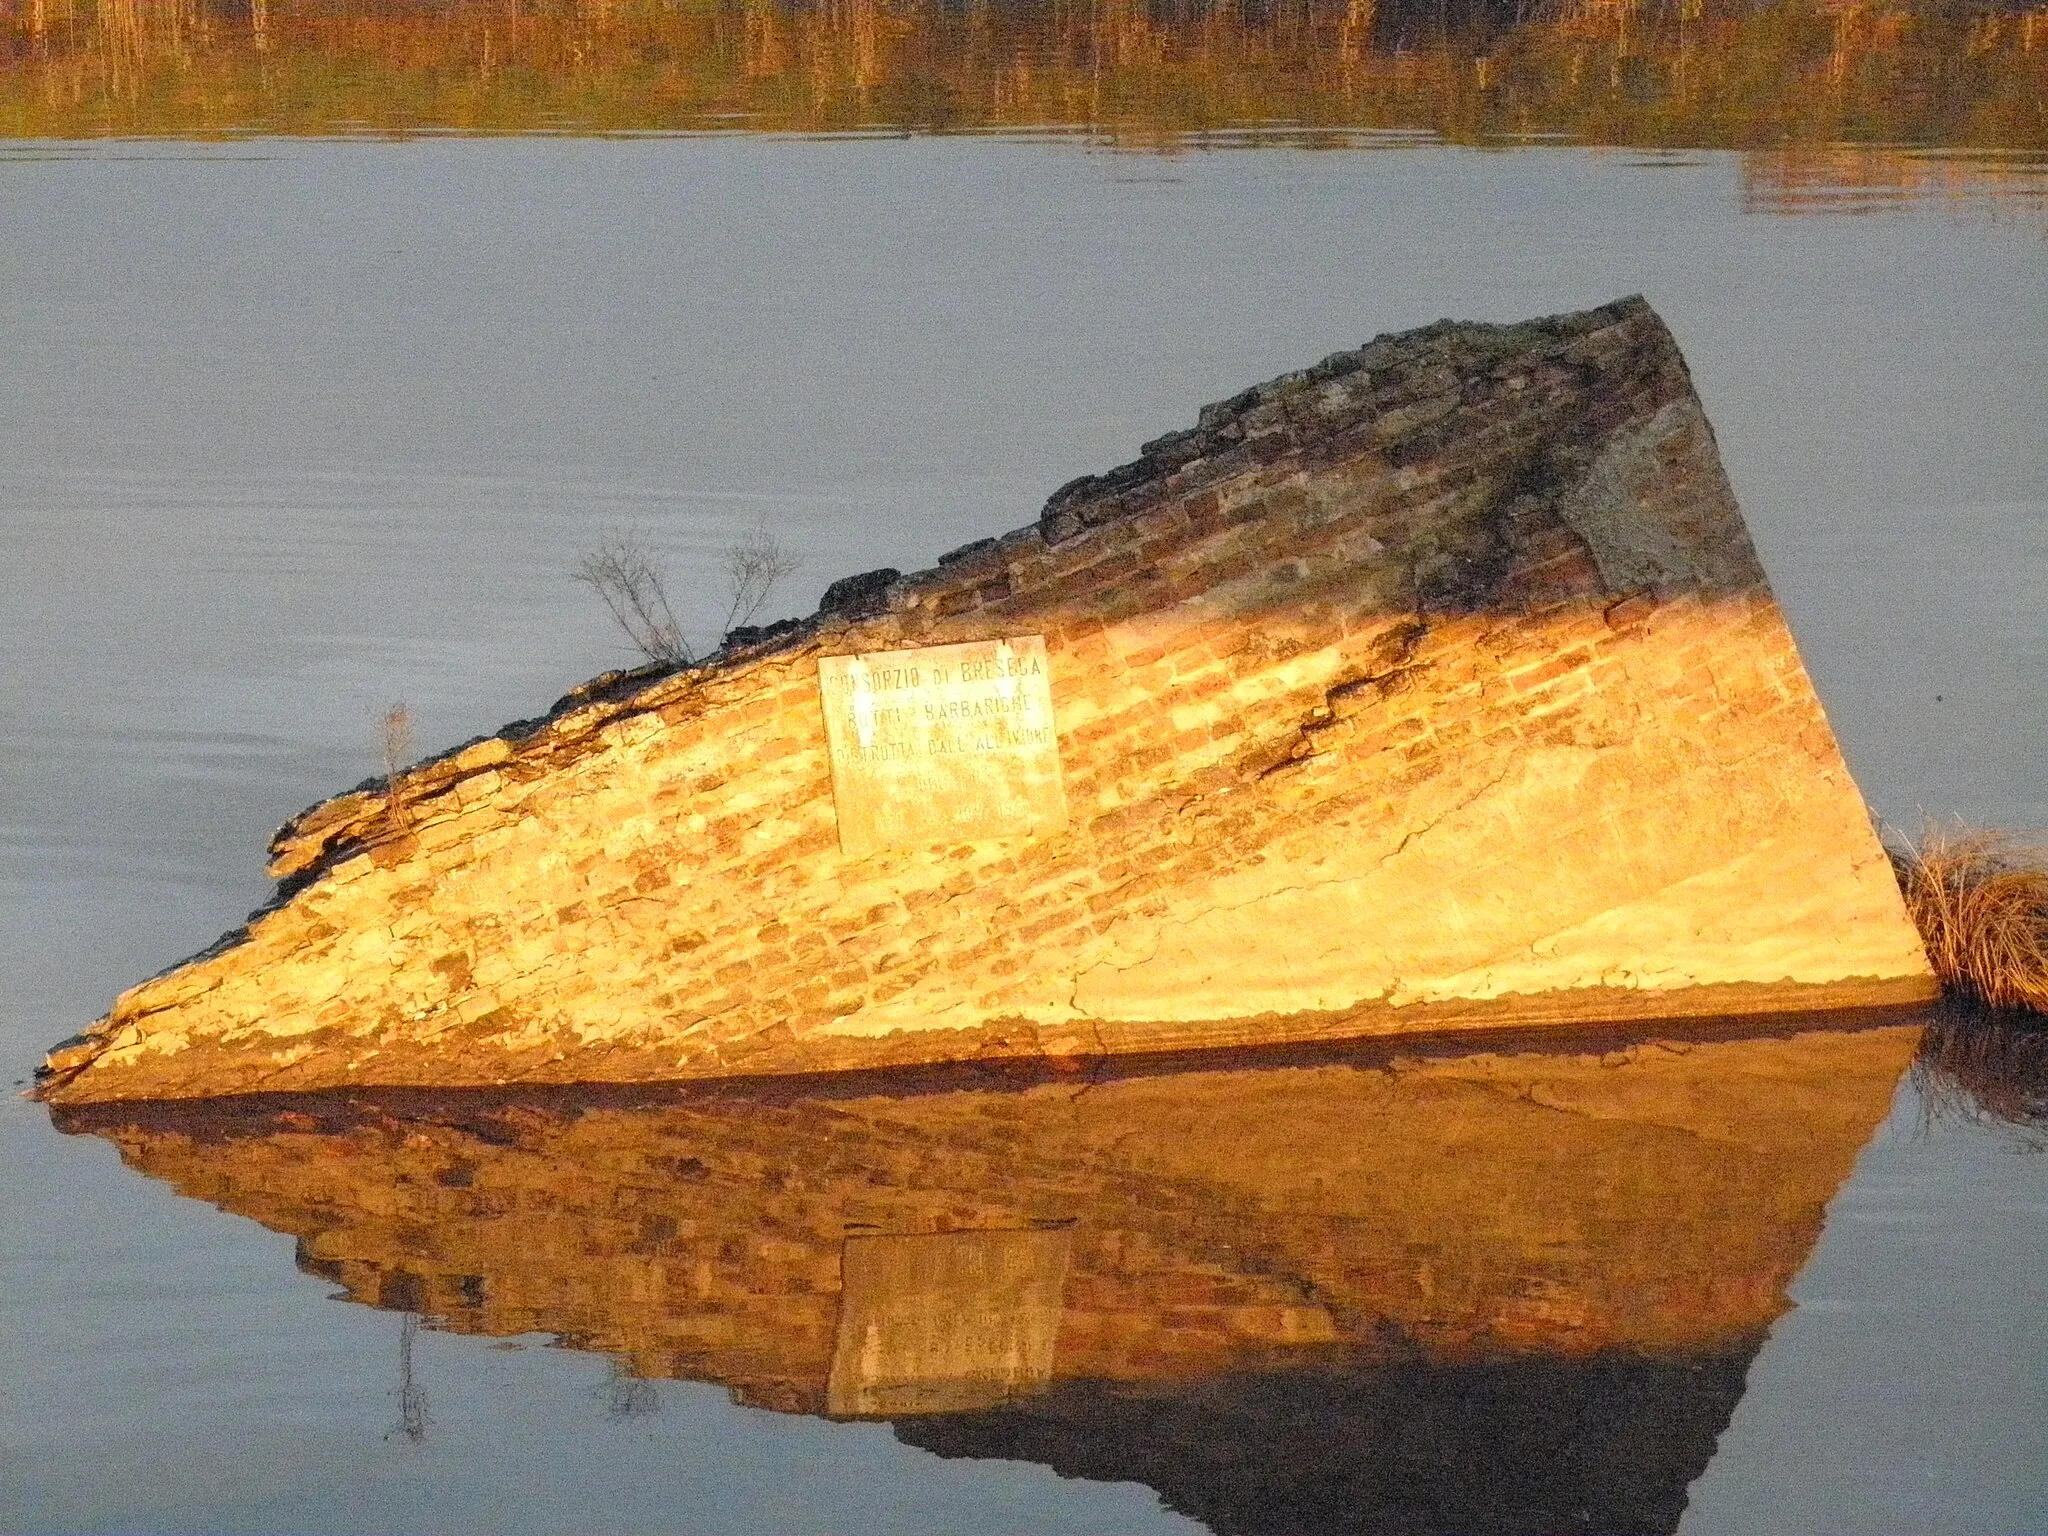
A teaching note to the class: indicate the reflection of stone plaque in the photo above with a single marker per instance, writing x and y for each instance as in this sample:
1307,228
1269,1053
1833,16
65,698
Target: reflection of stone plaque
948,743
942,1322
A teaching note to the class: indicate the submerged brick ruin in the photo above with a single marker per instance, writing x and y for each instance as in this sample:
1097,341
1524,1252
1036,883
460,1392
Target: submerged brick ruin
1436,686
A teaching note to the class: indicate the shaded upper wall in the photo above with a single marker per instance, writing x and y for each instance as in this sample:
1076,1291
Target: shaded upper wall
1435,685
1513,1291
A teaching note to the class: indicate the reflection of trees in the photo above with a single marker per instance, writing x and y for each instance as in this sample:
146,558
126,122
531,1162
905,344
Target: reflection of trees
1650,72
1831,178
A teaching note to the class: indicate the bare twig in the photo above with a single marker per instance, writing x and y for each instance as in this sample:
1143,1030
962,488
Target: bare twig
753,566
626,576
395,746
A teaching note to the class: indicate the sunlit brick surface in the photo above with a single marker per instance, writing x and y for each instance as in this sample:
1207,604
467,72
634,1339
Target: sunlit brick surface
1436,685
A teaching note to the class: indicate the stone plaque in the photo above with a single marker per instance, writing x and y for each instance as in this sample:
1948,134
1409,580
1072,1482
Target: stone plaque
944,744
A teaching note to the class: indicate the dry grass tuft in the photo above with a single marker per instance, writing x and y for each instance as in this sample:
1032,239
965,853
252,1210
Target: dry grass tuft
1980,900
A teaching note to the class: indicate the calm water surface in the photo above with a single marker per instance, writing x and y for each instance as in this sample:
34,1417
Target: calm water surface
296,427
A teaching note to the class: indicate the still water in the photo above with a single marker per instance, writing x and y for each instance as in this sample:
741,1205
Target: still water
303,418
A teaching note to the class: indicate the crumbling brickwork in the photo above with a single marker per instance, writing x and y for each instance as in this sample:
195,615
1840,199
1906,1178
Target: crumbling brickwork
1437,685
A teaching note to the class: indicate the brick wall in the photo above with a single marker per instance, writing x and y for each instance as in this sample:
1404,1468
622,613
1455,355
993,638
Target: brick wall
1437,685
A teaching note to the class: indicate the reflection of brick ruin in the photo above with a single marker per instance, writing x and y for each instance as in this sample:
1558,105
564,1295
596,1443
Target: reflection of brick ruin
1590,1245
1435,687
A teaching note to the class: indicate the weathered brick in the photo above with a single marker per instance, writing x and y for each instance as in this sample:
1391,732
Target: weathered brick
673,838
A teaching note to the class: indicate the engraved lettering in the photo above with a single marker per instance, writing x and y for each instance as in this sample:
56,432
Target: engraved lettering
942,744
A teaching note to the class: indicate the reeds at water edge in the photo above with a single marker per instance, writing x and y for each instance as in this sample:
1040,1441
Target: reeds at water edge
1980,901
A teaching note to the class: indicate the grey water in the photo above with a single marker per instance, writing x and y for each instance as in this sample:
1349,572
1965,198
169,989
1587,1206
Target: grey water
291,430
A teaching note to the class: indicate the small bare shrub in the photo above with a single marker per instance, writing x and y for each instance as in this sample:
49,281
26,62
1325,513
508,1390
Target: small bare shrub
753,567
394,746
625,575
1980,900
